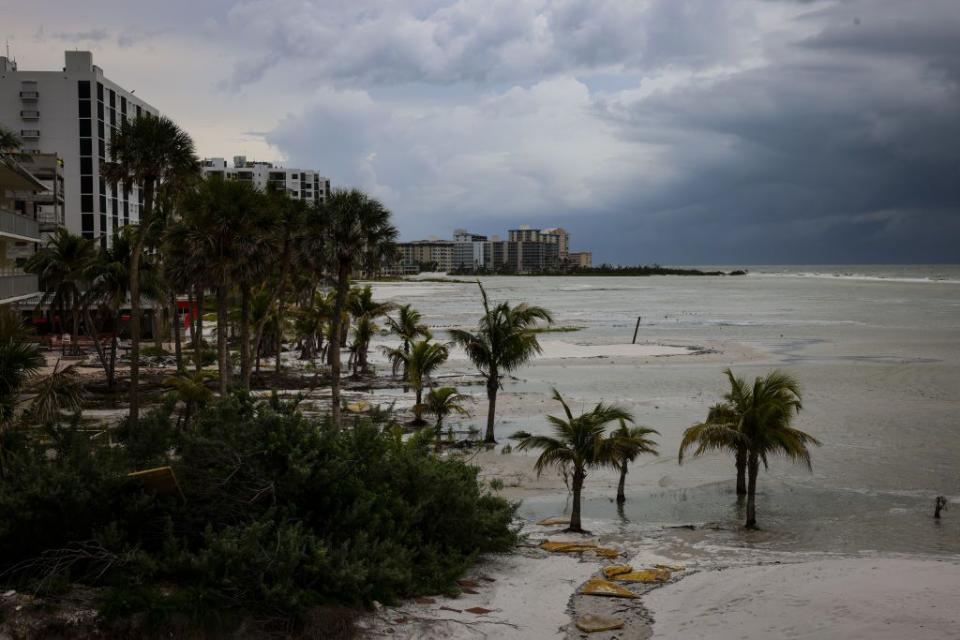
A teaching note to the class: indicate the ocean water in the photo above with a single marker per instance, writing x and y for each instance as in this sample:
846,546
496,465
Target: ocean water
876,349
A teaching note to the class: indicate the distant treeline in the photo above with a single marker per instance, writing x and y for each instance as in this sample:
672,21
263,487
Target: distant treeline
616,270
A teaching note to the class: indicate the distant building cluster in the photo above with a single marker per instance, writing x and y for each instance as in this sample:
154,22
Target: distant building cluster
301,184
525,250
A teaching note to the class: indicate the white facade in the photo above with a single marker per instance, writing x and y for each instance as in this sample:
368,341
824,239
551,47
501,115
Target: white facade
74,113
301,184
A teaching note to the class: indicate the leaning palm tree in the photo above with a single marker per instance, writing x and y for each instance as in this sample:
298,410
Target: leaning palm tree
407,327
146,151
503,341
766,410
628,443
356,235
63,267
424,358
578,444
441,403
720,431
364,309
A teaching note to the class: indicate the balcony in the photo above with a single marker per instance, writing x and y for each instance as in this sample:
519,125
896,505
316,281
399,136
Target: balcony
14,225
15,284
30,95
29,134
30,114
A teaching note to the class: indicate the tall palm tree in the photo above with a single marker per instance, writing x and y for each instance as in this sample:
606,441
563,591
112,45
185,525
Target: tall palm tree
311,320
357,235
578,443
407,327
628,443
146,151
441,403
363,332
424,359
503,341
63,266
109,278
766,410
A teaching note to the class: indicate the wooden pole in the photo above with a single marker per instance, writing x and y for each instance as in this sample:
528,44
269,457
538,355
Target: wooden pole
635,330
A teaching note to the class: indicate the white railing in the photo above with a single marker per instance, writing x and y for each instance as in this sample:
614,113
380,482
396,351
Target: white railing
15,224
17,284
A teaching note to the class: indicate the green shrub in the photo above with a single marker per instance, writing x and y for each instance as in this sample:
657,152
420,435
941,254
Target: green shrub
281,513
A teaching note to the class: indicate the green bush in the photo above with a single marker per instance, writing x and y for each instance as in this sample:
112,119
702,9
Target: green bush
153,351
281,513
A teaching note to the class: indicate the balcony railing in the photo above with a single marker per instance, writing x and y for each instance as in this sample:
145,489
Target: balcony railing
30,95
13,224
14,283
30,114
29,133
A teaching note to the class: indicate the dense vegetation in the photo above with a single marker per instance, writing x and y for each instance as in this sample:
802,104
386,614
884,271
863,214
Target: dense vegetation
278,513
610,270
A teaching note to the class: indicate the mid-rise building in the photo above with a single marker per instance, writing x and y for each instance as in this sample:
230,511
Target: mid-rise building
430,255
581,259
469,251
302,184
559,237
74,112
19,231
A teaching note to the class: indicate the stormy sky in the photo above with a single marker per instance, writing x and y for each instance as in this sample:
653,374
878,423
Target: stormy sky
671,131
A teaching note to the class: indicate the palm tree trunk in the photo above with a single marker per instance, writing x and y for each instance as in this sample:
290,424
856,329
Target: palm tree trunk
245,336
343,287
418,408
135,254
193,326
223,356
575,525
753,467
156,322
175,326
112,372
493,385
621,497
741,463
198,331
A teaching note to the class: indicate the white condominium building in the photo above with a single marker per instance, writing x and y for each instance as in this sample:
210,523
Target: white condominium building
73,113
302,184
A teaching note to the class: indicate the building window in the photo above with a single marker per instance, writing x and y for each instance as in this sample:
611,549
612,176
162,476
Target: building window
100,92
86,184
86,147
139,113
86,206
113,98
84,108
85,129
100,110
86,166
83,89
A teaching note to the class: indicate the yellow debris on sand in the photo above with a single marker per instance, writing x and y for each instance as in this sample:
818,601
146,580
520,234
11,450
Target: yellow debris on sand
616,569
550,522
670,567
591,622
360,406
609,554
645,575
567,547
600,587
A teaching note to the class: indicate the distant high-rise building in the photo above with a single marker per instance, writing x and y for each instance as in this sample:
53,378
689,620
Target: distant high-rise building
74,112
468,250
302,184
559,237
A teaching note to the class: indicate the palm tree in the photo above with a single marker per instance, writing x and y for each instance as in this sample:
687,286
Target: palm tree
719,431
19,361
424,358
407,327
766,411
503,341
63,266
357,234
109,278
146,151
311,320
9,142
578,442
365,309
441,403
628,443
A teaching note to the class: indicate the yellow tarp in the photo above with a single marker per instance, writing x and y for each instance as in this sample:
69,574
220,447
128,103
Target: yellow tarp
359,406
670,567
598,587
646,575
567,547
591,622
610,554
616,569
